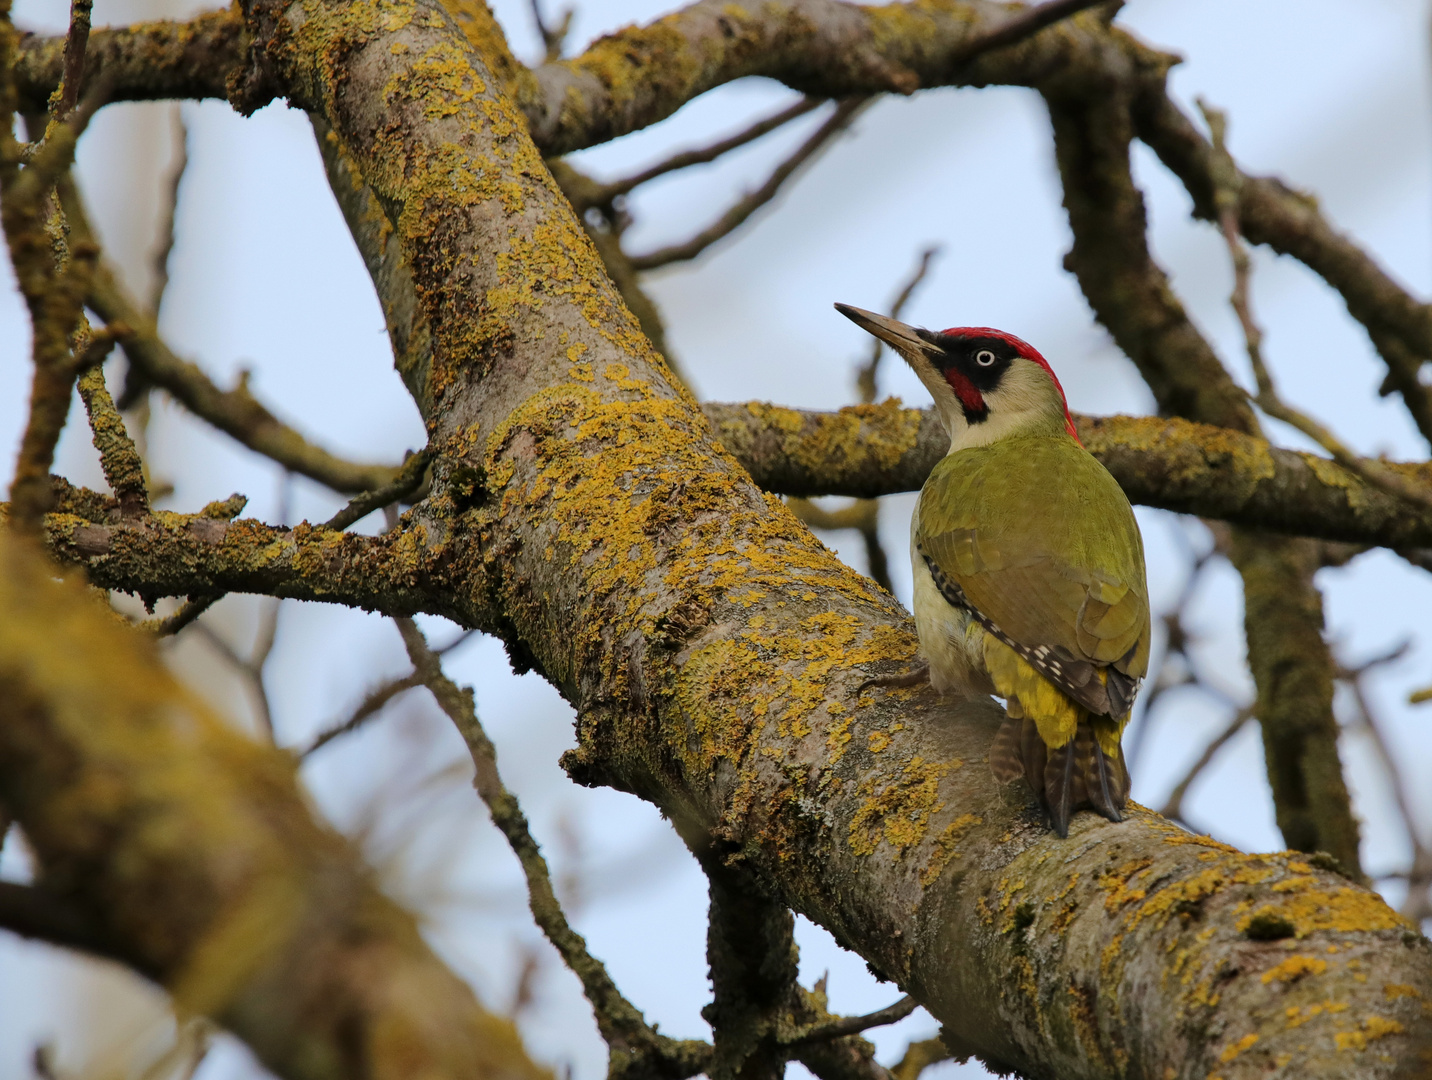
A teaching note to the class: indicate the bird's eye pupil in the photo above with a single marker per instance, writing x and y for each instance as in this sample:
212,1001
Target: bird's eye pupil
984,358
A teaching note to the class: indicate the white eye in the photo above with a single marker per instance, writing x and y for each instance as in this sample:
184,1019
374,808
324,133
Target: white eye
984,358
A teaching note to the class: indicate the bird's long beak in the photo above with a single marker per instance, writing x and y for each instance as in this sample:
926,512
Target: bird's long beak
900,337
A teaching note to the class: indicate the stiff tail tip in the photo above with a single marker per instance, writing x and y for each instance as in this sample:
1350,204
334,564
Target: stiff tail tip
1078,775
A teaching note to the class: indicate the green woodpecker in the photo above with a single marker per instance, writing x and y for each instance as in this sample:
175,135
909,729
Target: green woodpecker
1028,565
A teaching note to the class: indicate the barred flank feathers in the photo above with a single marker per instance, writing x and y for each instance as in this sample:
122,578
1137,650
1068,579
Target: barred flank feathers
1076,775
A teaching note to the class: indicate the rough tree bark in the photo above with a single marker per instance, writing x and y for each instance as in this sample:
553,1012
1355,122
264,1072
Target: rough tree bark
170,841
583,511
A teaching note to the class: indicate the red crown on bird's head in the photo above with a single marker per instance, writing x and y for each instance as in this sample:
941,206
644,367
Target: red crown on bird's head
1026,350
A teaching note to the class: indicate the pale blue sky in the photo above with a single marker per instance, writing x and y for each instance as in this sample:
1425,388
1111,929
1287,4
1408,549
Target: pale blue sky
1331,94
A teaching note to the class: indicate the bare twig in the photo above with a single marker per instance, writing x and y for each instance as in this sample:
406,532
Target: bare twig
165,248
604,193
370,706
1173,805
376,699
620,1022
187,612
553,37
853,1025
865,378
1267,399
736,216
68,92
136,386
1418,904
1177,640
408,480
252,667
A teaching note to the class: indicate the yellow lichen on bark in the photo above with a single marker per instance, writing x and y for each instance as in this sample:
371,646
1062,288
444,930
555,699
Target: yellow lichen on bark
1294,968
899,812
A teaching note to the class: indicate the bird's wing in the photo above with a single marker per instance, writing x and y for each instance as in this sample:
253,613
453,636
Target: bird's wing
1037,539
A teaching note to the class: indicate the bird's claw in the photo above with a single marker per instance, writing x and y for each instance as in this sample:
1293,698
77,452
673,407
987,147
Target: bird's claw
917,675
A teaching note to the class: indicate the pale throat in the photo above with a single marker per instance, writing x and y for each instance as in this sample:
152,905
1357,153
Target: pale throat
1021,409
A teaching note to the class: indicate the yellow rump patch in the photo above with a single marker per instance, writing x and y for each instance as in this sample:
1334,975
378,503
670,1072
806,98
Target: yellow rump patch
1053,713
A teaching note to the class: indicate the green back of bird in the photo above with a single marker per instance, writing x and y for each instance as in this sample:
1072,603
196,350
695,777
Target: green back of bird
1043,542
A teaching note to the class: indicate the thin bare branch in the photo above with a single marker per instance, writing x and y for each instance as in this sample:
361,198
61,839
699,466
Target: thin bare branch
1173,805
186,613
409,479
620,1022
553,37
251,668
853,1025
845,113
865,378
165,248
1419,873
1267,399
370,706
604,193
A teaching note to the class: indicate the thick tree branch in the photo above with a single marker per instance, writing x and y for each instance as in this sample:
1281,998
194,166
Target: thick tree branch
822,47
640,75
144,62
186,850
582,512
37,913
1165,462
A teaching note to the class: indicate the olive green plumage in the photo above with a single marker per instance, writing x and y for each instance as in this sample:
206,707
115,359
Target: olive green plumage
1034,538
1028,566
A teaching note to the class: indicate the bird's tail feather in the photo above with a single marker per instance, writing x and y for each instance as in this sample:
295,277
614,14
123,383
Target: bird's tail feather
1081,773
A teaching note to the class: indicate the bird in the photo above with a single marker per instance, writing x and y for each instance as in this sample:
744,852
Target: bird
1029,579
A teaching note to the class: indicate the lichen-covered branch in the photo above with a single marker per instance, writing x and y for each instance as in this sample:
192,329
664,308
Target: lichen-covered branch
179,846
582,511
168,554
52,268
640,75
1173,464
118,457
143,62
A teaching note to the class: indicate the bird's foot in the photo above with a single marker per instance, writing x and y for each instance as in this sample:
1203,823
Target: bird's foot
917,675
